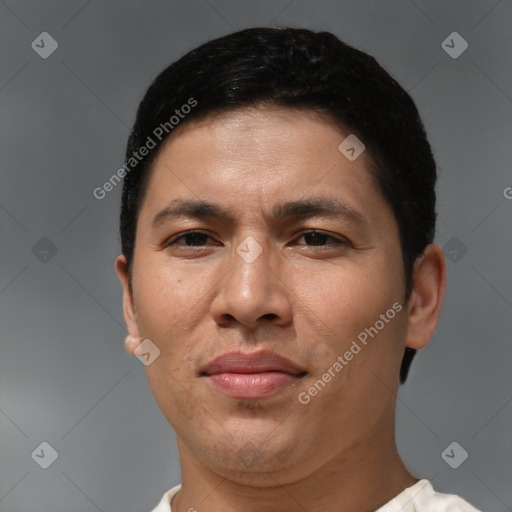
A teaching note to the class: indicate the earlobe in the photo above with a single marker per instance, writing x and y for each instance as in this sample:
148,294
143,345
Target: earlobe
427,297
130,317
131,343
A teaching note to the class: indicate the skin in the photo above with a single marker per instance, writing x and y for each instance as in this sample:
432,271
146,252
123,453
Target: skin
303,298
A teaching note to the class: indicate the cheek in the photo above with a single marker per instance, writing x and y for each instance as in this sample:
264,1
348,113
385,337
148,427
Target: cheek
178,401
342,305
349,295
163,294
166,301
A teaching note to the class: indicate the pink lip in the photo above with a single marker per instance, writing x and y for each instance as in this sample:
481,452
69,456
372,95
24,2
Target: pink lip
253,375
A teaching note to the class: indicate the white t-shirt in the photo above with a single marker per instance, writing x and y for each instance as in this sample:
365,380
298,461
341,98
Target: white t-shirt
420,497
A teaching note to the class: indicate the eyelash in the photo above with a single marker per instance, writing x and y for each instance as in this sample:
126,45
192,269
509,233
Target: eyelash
174,240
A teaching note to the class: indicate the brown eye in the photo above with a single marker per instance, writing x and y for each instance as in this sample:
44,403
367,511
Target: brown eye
319,239
191,239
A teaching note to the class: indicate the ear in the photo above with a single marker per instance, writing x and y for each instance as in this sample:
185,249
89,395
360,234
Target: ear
426,299
130,316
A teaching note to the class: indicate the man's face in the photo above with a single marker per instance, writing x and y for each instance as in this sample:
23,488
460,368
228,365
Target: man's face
305,297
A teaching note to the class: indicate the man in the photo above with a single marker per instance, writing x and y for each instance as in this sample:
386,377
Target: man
278,271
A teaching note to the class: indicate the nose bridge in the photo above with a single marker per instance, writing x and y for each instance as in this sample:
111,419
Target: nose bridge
251,291
251,261
250,250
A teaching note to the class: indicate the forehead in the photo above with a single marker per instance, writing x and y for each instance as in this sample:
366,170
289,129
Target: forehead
259,131
254,158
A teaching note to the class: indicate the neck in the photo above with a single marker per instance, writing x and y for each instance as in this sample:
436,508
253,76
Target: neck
363,477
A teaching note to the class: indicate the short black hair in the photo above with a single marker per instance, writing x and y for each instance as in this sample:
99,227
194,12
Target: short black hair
302,69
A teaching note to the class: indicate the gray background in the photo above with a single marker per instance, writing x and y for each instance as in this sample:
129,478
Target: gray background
64,376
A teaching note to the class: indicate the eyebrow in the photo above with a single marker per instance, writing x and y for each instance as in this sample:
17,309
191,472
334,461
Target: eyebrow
320,206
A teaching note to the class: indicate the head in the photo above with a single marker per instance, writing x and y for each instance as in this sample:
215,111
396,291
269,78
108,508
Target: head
243,135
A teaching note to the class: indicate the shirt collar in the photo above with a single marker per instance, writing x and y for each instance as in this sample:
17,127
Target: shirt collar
407,501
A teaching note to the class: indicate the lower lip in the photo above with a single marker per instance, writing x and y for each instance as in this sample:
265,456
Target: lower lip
252,385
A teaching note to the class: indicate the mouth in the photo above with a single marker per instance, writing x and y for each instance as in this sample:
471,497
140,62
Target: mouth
252,375
245,386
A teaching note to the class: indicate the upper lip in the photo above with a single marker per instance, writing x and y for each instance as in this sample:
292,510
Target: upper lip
251,362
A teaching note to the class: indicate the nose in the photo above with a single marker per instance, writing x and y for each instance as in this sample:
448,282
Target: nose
254,291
